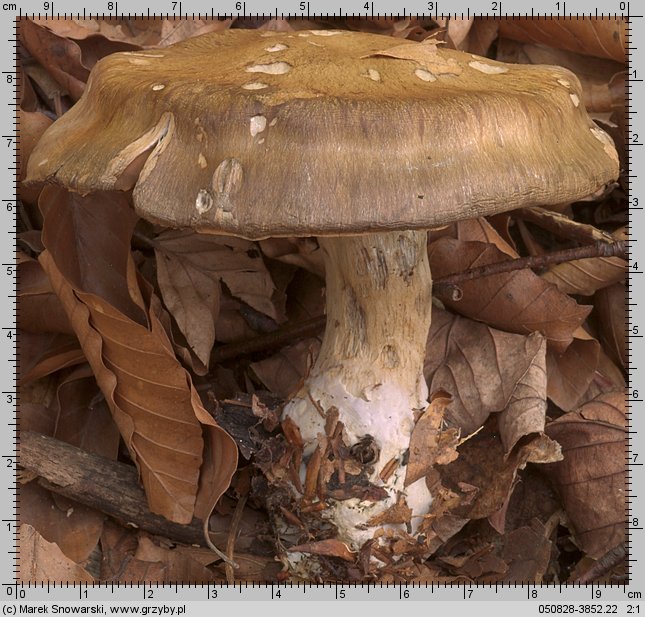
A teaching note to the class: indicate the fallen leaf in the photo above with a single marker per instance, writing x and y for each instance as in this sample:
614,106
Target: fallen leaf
302,252
60,56
425,56
430,445
586,276
485,371
43,562
527,551
45,353
604,38
282,372
193,299
150,395
39,309
611,309
517,301
591,478
594,73
569,374
236,262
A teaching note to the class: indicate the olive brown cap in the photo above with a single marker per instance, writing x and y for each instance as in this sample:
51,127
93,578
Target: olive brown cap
260,134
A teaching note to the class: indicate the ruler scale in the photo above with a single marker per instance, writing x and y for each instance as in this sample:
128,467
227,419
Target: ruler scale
624,599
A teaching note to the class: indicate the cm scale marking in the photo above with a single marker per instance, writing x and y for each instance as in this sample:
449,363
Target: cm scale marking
621,599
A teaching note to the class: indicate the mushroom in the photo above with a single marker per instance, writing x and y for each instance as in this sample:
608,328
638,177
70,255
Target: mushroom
362,140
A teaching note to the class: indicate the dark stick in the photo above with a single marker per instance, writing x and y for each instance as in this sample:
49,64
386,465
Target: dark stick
608,561
446,285
100,483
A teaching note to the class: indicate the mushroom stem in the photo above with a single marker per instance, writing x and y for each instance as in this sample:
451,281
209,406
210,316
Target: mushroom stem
370,367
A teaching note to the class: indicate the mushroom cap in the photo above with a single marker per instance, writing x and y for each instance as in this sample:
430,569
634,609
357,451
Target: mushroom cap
260,134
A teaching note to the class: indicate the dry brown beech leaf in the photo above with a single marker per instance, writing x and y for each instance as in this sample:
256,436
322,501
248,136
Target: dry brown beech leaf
480,36
485,371
604,38
73,527
611,308
479,230
193,299
591,479
517,301
302,252
527,550
43,562
569,374
117,320
170,565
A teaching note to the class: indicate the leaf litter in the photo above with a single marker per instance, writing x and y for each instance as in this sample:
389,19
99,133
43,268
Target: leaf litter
521,445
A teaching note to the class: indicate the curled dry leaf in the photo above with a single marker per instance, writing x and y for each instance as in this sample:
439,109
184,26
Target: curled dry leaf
479,483
604,38
478,230
193,299
517,301
43,562
430,445
611,308
328,548
527,550
486,371
481,36
591,479
117,320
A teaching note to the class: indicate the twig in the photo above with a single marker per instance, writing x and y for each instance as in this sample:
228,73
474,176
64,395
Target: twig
100,483
599,249
608,561
232,534
272,340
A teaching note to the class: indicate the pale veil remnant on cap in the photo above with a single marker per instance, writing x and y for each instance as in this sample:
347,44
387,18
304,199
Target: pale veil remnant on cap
324,133
364,141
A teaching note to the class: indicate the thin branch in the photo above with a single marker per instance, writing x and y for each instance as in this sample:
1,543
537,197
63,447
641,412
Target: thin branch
539,262
606,563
